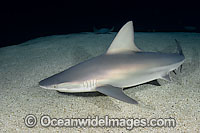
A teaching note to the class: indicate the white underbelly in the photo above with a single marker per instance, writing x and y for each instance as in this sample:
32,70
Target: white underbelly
86,86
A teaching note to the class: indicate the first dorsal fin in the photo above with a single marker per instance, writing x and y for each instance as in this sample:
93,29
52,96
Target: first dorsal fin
124,40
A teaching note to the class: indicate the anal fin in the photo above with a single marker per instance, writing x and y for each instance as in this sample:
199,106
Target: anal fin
166,77
116,92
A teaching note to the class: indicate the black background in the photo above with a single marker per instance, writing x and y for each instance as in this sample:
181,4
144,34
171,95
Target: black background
25,20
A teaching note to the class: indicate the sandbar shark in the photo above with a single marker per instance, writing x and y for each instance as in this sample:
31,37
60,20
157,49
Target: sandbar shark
123,65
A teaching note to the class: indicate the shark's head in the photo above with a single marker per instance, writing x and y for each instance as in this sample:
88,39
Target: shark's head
56,81
63,87
50,83
65,84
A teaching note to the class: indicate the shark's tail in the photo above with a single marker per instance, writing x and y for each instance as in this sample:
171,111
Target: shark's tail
179,49
180,52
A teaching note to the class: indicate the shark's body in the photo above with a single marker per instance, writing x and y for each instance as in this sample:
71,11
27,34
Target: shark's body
123,65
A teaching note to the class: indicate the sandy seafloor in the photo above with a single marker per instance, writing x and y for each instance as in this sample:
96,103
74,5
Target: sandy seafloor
23,66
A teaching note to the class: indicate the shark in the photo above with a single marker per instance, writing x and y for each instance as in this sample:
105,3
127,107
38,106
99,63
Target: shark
122,65
102,30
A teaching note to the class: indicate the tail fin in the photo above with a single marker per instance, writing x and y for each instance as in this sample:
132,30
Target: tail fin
179,49
180,52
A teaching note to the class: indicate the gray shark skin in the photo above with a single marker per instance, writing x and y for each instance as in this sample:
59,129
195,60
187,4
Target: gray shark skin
123,65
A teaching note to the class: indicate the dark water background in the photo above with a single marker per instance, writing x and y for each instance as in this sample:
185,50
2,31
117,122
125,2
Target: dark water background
22,21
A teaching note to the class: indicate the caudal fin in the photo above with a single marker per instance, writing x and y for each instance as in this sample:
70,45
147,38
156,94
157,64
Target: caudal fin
179,49
180,52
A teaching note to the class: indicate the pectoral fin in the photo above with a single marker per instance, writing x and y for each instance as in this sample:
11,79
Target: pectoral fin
116,92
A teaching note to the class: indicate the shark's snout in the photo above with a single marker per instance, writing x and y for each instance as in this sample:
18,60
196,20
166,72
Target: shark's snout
50,80
47,83
42,83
